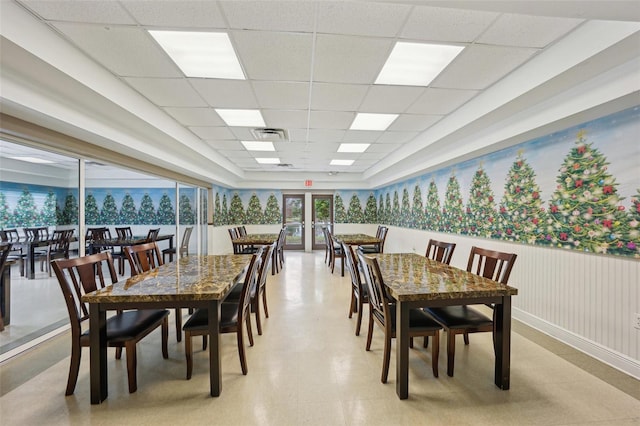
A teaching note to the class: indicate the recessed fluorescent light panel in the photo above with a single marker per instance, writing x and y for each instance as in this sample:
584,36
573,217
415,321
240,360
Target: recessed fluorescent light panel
242,117
416,64
353,147
33,160
367,121
201,54
258,146
341,162
268,160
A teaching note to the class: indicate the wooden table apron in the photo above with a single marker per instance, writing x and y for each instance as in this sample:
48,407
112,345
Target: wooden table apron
165,298
406,300
259,240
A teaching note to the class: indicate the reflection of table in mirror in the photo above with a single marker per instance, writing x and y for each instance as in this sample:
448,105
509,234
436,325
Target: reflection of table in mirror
5,294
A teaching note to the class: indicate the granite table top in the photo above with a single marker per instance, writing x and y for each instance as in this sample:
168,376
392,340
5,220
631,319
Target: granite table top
256,239
356,239
410,276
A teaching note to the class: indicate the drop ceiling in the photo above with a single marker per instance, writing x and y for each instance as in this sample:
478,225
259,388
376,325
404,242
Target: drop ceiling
91,69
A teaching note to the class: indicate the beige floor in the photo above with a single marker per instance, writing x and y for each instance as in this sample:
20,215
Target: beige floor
309,368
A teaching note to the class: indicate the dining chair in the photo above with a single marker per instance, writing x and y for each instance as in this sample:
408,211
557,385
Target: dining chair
359,293
382,311
440,251
145,257
242,231
37,233
5,249
184,246
123,233
97,234
335,252
13,236
279,258
124,329
237,248
152,235
58,249
464,319
232,316
326,244
379,247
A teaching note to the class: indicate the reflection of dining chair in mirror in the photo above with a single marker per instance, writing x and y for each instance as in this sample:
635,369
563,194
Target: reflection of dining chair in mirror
184,246
124,329
58,249
124,233
5,249
145,257
38,233
490,264
97,235
152,235
12,236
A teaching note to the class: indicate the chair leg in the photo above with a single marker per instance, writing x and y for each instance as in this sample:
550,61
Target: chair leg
264,302
188,352
165,338
466,338
370,332
243,360
119,352
435,352
131,365
387,358
74,368
425,343
256,309
359,319
249,333
451,352
352,304
179,324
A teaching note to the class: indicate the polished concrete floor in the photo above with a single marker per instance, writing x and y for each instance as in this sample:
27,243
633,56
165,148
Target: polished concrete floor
309,368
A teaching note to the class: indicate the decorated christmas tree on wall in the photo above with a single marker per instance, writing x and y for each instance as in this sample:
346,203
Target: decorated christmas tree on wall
417,209
128,214
91,211
166,214
521,215
633,233
254,211
272,213
236,214
371,210
225,210
70,211
5,217
432,212
147,211
481,208
396,219
585,211
388,211
186,214
26,212
382,214
339,213
217,212
48,212
355,213
452,211
405,210
109,211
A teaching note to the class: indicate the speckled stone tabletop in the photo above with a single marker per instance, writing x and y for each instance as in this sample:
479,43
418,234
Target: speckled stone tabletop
256,239
410,276
356,239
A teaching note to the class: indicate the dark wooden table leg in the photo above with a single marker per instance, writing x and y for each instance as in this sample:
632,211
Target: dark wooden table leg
98,353
5,297
215,365
402,350
29,267
502,343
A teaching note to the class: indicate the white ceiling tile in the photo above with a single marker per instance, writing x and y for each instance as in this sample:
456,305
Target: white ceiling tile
446,25
195,116
99,12
297,16
342,59
242,133
126,51
527,31
274,56
340,97
331,119
479,66
325,135
212,133
289,147
281,95
440,101
176,14
167,92
396,137
326,148
231,145
285,119
416,123
368,19
382,148
297,135
222,93
390,99
361,136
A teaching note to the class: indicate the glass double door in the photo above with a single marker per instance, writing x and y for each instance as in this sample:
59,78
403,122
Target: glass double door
295,217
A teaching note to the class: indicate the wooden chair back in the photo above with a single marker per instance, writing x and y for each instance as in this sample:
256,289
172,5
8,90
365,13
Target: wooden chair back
124,232
352,266
440,251
379,301
38,233
242,231
491,264
143,257
10,235
383,237
184,245
152,235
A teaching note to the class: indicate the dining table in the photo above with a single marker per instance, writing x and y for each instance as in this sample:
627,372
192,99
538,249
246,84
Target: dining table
355,240
29,246
415,281
96,245
257,240
201,281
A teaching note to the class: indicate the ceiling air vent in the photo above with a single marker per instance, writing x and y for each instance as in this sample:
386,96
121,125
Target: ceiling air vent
270,134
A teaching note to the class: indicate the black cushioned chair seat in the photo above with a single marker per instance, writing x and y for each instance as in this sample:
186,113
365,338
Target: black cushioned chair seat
418,320
459,316
200,319
130,324
236,291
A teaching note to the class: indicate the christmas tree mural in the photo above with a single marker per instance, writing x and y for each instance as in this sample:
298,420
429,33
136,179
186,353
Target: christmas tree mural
396,219
166,215
417,209
5,217
48,212
355,213
254,211
128,214
453,211
432,212
26,212
521,215
481,208
633,233
382,215
186,214
70,211
388,212
584,210
109,212
371,210
405,210
339,213
147,211
225,210
91,211
236,214
272,213
217,212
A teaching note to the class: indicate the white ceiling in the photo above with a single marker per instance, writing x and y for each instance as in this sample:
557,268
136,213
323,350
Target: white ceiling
310,67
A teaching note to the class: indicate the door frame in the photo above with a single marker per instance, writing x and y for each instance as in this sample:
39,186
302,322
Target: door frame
315,245
287,245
